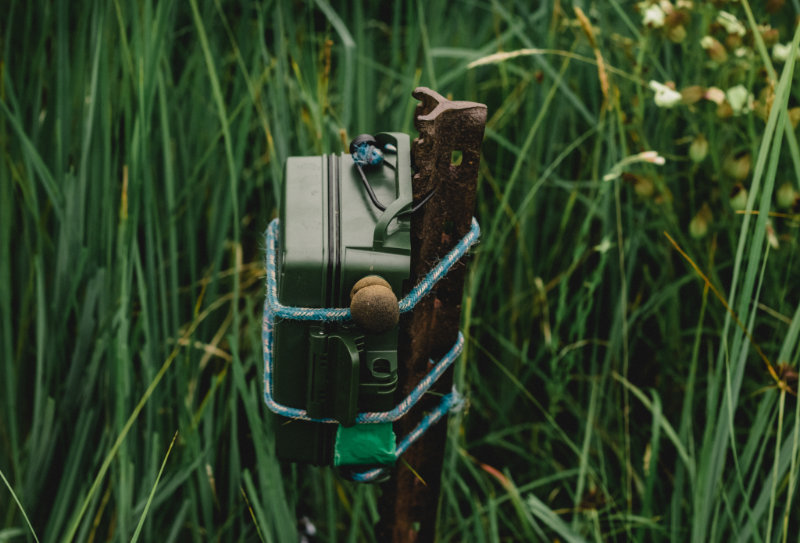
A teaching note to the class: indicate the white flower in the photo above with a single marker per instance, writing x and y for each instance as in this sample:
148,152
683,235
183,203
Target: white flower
604,245
731,24
740,99
651,157
715,95
665,96
780,52
653,16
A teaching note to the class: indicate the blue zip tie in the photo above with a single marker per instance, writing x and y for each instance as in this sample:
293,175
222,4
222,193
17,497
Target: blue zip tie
273,308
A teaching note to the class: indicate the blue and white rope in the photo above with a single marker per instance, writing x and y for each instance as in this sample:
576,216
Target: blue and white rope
343,313
451,402
365,417
273,308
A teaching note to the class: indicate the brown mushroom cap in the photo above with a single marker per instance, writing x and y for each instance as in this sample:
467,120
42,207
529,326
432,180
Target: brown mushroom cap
368,281
374,308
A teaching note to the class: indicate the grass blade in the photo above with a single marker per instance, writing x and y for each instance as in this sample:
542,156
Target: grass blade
19,505
153,491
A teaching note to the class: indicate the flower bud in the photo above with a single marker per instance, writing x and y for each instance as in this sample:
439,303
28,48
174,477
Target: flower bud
677,16
643,186
692,95
676,34
698,149
769,35
761,109
716,51
698,227
786,195
732,41
794,116
724,110
738,166
738,197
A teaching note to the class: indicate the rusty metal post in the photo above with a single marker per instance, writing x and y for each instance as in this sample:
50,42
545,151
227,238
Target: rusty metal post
446,155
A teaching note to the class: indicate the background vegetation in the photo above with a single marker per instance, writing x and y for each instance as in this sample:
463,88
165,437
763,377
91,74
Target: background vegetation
615,394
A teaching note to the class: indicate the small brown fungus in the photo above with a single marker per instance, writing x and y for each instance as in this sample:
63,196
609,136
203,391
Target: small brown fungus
373,305
367,281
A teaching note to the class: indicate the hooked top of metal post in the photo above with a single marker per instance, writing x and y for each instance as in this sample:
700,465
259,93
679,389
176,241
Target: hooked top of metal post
434,104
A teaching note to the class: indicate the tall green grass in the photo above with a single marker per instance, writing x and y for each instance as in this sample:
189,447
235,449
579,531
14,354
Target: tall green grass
613,394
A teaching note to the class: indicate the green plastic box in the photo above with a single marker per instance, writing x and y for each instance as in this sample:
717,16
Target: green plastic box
331,236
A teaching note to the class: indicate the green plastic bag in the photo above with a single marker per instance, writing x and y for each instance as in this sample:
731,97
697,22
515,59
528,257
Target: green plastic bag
365,444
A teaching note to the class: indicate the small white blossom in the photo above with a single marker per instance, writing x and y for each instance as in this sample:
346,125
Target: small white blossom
715,94
684,4
653,16
740,99
731,24
651,157
780,52
665,96
604,246
707,42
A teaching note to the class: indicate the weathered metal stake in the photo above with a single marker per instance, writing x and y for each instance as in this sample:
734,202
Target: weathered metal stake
446,155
